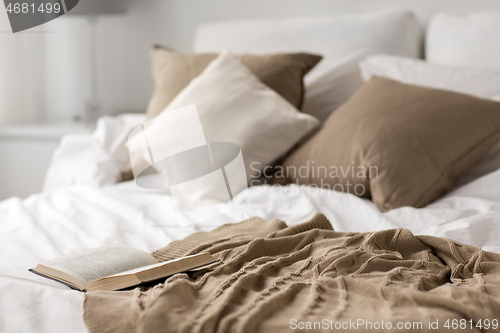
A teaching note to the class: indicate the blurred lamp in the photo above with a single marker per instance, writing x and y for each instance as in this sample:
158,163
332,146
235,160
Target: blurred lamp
92,9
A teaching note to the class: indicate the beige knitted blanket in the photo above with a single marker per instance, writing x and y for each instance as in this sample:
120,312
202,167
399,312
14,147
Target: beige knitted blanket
309,278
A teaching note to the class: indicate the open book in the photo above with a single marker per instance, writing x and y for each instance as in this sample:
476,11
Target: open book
114,267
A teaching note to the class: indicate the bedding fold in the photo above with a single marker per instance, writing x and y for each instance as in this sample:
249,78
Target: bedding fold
272,277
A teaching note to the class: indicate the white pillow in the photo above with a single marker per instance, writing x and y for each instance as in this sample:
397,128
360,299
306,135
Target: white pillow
329,88
392,31
235,106
339,39
464,39
476,81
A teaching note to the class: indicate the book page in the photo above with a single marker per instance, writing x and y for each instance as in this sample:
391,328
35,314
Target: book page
151,272
101,262
192,258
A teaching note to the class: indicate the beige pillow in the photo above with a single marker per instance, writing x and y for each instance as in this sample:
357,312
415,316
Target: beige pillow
172,72
399,144
234,106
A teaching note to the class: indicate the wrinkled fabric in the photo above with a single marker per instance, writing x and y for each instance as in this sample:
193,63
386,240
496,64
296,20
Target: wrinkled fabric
308,273
95,159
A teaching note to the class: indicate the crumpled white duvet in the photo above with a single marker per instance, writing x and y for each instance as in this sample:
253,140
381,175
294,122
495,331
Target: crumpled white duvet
73,217
96,159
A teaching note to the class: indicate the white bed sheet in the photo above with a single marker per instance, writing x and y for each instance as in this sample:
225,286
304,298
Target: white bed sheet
50,225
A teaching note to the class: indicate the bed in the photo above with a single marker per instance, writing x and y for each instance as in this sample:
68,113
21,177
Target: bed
83,217
82,207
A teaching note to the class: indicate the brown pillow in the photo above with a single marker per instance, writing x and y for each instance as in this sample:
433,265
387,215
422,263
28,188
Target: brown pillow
399,144
172,71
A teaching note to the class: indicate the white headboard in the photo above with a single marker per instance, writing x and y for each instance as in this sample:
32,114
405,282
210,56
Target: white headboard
176,20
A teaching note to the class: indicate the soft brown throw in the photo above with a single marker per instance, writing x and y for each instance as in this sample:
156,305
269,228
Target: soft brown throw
274,278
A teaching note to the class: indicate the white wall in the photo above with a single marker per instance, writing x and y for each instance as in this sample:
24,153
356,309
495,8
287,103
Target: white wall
123,42
21,73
